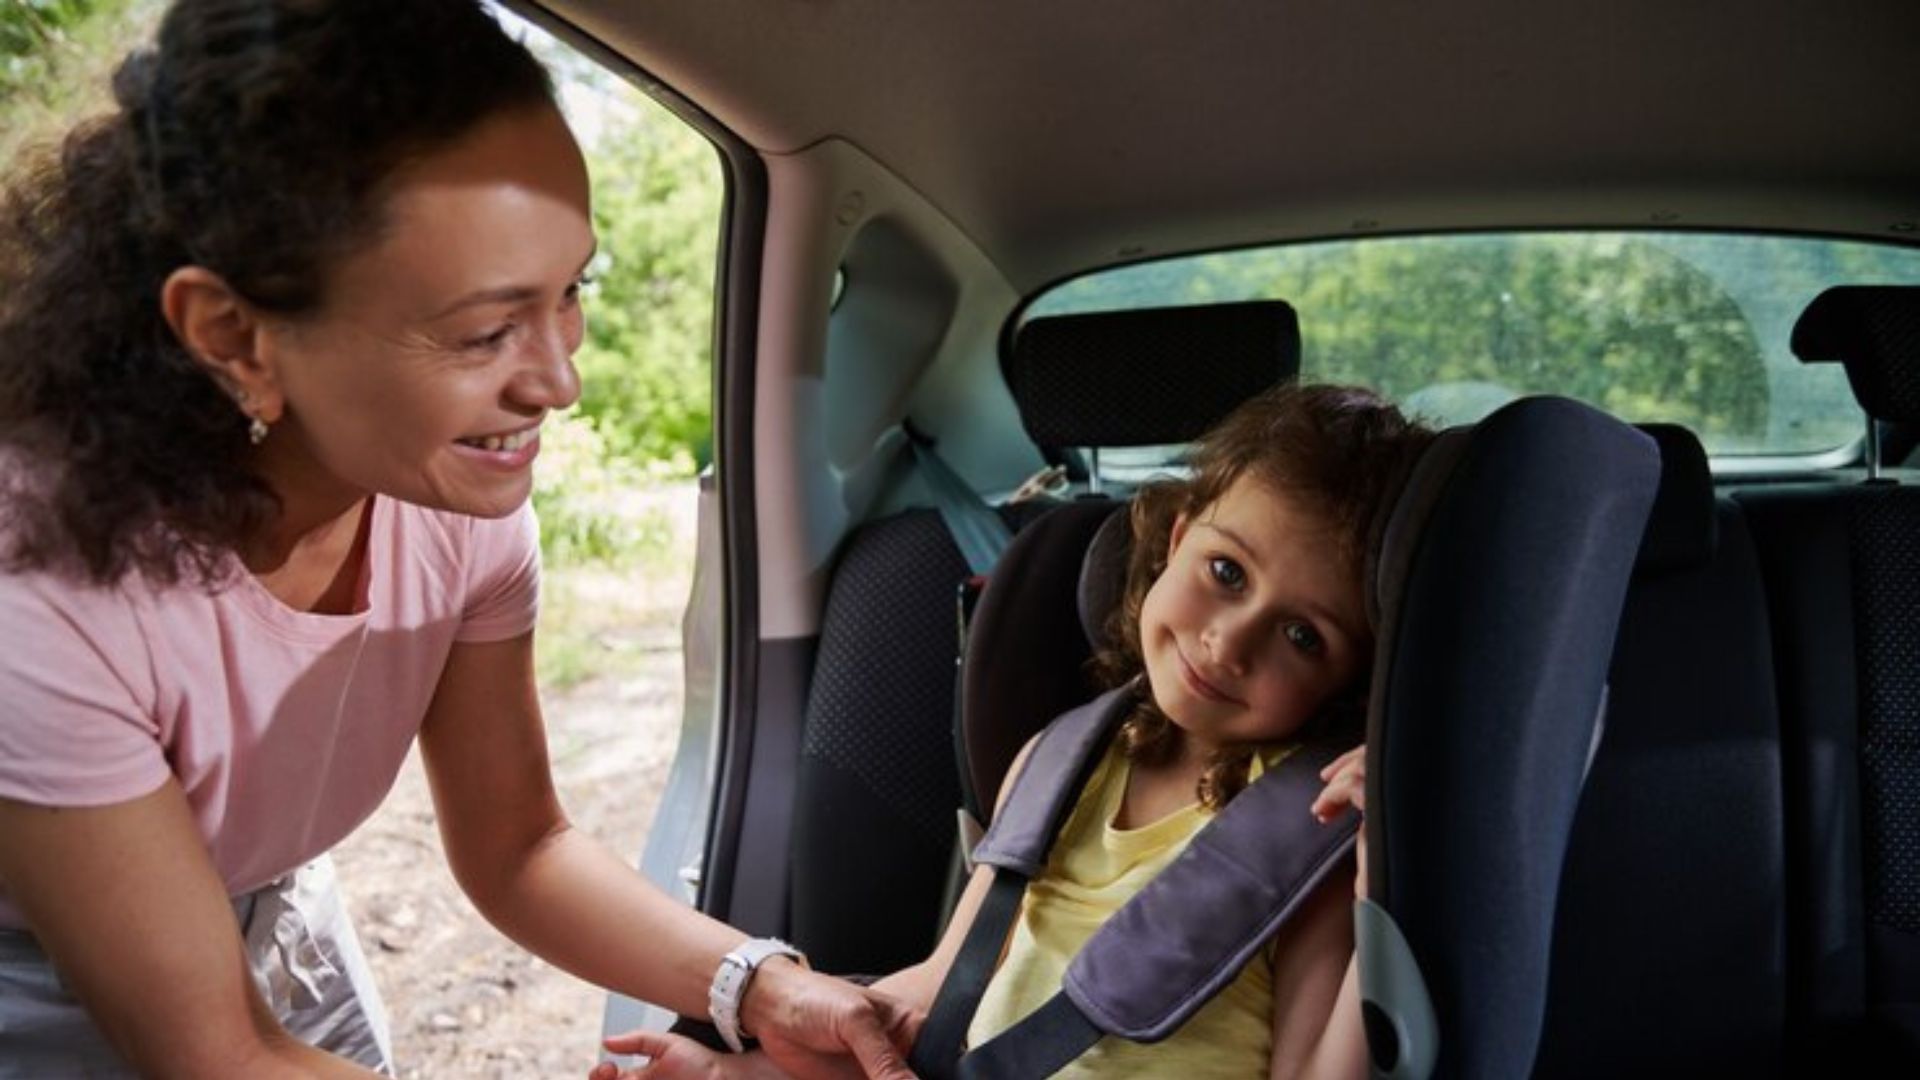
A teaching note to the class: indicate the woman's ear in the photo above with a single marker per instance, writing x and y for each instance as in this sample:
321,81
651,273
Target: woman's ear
221,331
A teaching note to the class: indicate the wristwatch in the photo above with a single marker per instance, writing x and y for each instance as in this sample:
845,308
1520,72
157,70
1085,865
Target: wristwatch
730,981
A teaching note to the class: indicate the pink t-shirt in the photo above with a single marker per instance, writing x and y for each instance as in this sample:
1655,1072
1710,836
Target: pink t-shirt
284,728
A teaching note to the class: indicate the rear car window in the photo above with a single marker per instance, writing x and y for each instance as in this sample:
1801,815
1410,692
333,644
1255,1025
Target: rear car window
1687,328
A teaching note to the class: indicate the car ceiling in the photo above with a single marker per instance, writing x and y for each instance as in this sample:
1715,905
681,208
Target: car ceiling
1062,135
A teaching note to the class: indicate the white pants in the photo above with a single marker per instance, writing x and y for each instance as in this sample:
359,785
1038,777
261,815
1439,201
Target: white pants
306,963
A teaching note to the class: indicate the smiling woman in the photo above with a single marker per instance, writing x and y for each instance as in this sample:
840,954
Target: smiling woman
277,338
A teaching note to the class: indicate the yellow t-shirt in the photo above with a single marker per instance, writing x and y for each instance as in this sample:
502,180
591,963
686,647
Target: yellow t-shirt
1093,870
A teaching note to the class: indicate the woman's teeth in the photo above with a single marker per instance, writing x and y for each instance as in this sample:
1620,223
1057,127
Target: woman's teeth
503,443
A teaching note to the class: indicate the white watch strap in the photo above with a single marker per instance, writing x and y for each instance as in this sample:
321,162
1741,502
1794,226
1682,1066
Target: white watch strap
730,982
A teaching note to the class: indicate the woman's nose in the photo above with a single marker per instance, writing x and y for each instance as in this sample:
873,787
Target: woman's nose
549,380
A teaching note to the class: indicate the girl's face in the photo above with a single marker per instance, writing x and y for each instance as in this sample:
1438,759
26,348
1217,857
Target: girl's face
1256,622
443,345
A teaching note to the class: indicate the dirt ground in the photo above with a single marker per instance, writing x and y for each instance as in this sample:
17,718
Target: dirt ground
464,1001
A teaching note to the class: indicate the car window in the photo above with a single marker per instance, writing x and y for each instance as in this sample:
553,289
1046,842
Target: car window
1688,328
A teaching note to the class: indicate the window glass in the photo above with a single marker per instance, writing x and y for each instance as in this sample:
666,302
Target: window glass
1687,328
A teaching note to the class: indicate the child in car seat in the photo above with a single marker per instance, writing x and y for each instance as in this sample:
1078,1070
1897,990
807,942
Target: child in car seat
1242,626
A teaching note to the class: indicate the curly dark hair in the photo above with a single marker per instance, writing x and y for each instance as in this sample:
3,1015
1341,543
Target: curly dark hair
251,139
1343,451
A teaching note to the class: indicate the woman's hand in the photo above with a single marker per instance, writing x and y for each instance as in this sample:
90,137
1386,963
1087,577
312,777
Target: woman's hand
809,1023
810,1026
1346,778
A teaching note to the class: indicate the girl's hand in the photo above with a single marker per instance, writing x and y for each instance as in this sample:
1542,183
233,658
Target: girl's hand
673,1058
1346,778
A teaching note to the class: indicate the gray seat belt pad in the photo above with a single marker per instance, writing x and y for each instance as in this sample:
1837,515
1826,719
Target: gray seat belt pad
1170,948
977,531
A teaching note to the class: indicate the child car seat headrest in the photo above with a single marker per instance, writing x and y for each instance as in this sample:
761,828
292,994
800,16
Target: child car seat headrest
1683,530
1875,331
1150,377
1103,575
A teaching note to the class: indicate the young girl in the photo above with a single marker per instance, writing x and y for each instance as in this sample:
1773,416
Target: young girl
1243,623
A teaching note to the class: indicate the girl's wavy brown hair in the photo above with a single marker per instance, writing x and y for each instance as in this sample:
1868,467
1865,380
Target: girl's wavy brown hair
253,138
1342,452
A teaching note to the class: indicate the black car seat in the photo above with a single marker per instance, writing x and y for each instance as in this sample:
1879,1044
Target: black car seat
1842,565
1501,581
877,783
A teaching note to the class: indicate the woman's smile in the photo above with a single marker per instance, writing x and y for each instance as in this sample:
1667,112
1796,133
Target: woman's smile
508,451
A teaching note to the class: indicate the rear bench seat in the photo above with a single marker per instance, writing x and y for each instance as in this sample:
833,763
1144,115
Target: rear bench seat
1842,566
1742,893
1670,939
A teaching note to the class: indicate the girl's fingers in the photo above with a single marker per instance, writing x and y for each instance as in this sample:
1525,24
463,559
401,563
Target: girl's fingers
1345,787
1356,755
650,1043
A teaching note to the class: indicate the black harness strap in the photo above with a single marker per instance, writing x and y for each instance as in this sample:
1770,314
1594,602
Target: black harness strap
937,1050
1040,1045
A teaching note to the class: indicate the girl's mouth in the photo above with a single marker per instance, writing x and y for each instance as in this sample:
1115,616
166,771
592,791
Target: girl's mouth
1198,685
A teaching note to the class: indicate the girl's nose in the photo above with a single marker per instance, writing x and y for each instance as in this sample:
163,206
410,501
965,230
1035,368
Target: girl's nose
1228,644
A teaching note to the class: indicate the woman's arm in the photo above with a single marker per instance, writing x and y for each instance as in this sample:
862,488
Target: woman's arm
125,900
677,1058
557,892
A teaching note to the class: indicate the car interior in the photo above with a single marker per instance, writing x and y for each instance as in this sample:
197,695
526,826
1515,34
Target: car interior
1037,248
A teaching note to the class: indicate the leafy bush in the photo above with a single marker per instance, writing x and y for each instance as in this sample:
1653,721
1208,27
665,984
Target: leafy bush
583,492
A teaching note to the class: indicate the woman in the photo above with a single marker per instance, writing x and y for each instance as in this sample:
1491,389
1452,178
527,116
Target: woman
276,340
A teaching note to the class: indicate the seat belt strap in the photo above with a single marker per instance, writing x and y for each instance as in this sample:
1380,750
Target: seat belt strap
1039,1045
976,529
936,1054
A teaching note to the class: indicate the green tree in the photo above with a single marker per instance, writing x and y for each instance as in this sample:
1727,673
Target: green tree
646,366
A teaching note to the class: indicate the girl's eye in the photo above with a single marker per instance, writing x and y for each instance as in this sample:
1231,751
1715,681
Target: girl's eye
1305,638
1227,572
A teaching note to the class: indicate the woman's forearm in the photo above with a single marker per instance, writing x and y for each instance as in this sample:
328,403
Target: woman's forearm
575,904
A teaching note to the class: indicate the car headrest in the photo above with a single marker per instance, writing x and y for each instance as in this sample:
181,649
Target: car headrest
1875,331
1151,377
1682,530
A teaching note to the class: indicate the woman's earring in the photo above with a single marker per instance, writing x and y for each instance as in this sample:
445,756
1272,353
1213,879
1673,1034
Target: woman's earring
256,427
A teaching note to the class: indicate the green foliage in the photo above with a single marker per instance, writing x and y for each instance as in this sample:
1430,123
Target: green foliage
646,365
29,29
55,60
583,492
